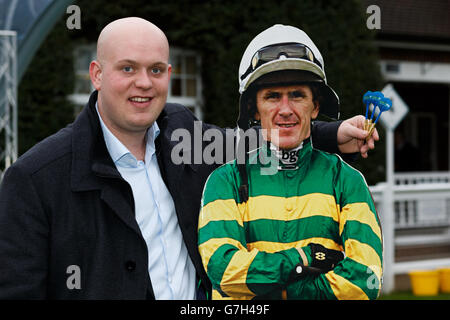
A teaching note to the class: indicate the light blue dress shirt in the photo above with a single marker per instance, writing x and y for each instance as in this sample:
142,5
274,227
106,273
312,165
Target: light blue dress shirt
170,268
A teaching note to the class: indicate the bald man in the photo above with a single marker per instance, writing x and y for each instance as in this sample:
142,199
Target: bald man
131,75
99,210
96,211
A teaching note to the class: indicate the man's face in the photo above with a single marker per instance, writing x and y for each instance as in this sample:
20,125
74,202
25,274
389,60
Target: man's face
132,79
286,111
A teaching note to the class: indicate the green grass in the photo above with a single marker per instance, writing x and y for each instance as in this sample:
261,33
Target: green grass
410,296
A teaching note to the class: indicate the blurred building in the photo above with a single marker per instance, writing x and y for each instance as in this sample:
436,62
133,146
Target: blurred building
414,50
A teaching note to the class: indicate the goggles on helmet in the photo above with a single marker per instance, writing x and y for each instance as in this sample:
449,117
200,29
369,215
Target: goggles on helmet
274,52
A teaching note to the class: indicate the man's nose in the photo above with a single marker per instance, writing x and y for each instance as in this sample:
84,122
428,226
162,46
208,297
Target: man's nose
285,108
143,80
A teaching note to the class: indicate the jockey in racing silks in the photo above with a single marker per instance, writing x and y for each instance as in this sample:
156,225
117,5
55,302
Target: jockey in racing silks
310,229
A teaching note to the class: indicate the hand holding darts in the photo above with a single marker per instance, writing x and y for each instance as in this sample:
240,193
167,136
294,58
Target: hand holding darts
378,100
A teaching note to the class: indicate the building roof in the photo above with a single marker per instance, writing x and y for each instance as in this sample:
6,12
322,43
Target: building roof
414,18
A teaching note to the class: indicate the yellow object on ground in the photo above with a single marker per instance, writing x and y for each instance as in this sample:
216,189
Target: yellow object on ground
424,282
444,280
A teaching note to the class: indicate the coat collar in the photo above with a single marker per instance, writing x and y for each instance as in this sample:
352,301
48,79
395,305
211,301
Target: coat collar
168,121
90,154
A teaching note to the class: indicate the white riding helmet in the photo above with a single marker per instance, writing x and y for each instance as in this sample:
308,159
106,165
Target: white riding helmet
283,55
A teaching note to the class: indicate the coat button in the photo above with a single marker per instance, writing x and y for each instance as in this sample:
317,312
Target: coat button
289,206
130,265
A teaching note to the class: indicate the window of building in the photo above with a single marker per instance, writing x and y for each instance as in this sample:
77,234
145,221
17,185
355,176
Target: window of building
184,88
185,84
83,55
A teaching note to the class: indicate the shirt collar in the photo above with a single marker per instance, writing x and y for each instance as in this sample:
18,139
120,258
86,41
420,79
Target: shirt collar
286,156
290,159
152,134
119,153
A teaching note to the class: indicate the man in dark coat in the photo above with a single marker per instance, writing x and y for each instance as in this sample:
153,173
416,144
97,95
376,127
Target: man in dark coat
73,221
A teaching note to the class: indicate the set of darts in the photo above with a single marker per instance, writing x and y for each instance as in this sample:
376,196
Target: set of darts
380,102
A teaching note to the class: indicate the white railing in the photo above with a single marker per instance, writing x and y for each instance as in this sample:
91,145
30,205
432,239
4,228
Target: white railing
422,177
415,206
418,205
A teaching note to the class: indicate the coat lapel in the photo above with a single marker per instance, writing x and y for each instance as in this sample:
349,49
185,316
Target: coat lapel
170,172
173,173
178,177
121,204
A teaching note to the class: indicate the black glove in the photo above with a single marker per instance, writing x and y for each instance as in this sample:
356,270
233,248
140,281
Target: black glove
323,260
